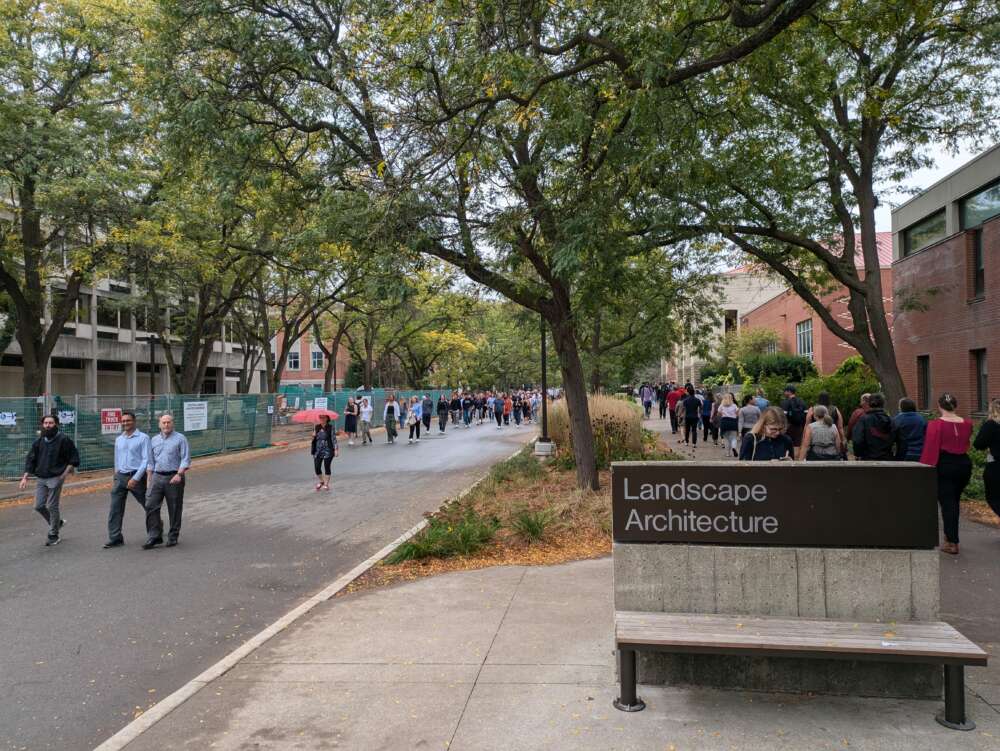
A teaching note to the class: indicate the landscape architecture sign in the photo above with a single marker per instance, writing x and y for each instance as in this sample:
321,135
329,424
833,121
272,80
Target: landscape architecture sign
824,504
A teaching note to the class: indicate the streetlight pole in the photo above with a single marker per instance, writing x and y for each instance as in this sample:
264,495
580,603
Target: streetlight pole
543,446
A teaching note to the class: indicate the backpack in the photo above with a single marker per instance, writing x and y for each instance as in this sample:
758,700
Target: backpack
796,411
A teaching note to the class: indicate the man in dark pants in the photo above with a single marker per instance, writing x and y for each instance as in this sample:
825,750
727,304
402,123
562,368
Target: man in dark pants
170,459
131,460
52,457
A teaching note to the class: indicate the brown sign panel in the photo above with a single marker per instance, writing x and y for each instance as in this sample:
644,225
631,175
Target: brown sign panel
824,504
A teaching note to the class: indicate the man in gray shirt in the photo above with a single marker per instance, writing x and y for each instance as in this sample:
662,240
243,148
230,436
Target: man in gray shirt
170,459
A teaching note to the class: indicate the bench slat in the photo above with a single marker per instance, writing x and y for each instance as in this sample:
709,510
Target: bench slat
749,634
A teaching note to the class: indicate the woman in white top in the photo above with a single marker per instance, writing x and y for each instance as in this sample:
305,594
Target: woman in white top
729,424
366,421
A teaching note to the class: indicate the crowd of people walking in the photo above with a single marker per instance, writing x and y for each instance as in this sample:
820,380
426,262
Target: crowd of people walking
756,430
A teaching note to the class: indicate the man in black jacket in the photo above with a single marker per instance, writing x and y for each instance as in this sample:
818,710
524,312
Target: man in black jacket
51,458
873,435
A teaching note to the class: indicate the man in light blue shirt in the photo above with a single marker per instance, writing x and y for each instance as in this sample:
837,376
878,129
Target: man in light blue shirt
169,460
131,460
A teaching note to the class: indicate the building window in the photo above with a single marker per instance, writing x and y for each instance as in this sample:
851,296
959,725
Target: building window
982,388
107,312
978,265
925,232
293,360
771,348
317,360
804,338
732,321
977,208
923,382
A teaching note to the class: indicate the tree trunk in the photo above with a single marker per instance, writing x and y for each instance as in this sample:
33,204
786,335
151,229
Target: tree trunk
576,402
595,355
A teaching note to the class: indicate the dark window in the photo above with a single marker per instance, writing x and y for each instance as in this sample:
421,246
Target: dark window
982,388
107,335
923,381
978,265
731,321
977,208
925,232
83,308
107,312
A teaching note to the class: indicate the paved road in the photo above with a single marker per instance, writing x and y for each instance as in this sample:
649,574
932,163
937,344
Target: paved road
89,637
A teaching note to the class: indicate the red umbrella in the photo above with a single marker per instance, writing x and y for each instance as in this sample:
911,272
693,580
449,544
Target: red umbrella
313,415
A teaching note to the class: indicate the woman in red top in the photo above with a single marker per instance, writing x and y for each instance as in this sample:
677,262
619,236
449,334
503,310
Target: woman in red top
946,446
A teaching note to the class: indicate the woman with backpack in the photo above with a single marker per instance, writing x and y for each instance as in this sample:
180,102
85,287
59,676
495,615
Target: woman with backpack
767,440
946,446
729,424
323,449
988,440
748,415
821,440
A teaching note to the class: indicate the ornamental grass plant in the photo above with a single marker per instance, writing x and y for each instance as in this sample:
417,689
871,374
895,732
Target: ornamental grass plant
616,425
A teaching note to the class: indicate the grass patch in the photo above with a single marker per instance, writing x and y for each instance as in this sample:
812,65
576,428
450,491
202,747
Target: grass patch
531,525
445,538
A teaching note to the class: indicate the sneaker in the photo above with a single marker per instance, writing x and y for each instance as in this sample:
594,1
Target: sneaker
350,443
51,541
318,485
417,440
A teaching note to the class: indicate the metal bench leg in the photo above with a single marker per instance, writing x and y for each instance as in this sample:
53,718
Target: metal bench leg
627,701
954,700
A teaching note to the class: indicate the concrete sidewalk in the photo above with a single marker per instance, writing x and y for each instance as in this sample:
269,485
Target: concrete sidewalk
511,658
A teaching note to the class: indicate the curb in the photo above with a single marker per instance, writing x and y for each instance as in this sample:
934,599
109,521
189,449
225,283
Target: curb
171,702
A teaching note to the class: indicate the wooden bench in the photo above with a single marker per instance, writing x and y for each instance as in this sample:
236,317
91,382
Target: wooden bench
764,636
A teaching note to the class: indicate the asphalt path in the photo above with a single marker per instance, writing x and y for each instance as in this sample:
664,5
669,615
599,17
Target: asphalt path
90,638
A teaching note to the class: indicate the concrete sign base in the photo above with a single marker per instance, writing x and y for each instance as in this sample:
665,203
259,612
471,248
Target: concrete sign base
851,584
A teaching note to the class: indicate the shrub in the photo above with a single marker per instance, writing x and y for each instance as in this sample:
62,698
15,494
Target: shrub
793,368
616,426
523,464
531,525
444,538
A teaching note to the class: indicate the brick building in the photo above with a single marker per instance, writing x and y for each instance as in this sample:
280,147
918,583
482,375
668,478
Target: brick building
740,290
800,328
306,364
946,279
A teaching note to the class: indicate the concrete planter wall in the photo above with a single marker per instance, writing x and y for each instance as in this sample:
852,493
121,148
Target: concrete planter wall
847,584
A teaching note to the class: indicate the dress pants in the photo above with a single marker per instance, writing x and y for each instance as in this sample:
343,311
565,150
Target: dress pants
47,502
159,488
119,494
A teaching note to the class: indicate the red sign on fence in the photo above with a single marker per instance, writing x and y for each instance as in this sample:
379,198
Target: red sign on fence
111,421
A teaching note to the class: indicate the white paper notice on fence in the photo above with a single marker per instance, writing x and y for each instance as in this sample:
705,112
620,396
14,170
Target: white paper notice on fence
8,419
320,402
195,416
111,421
67,416
270,409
